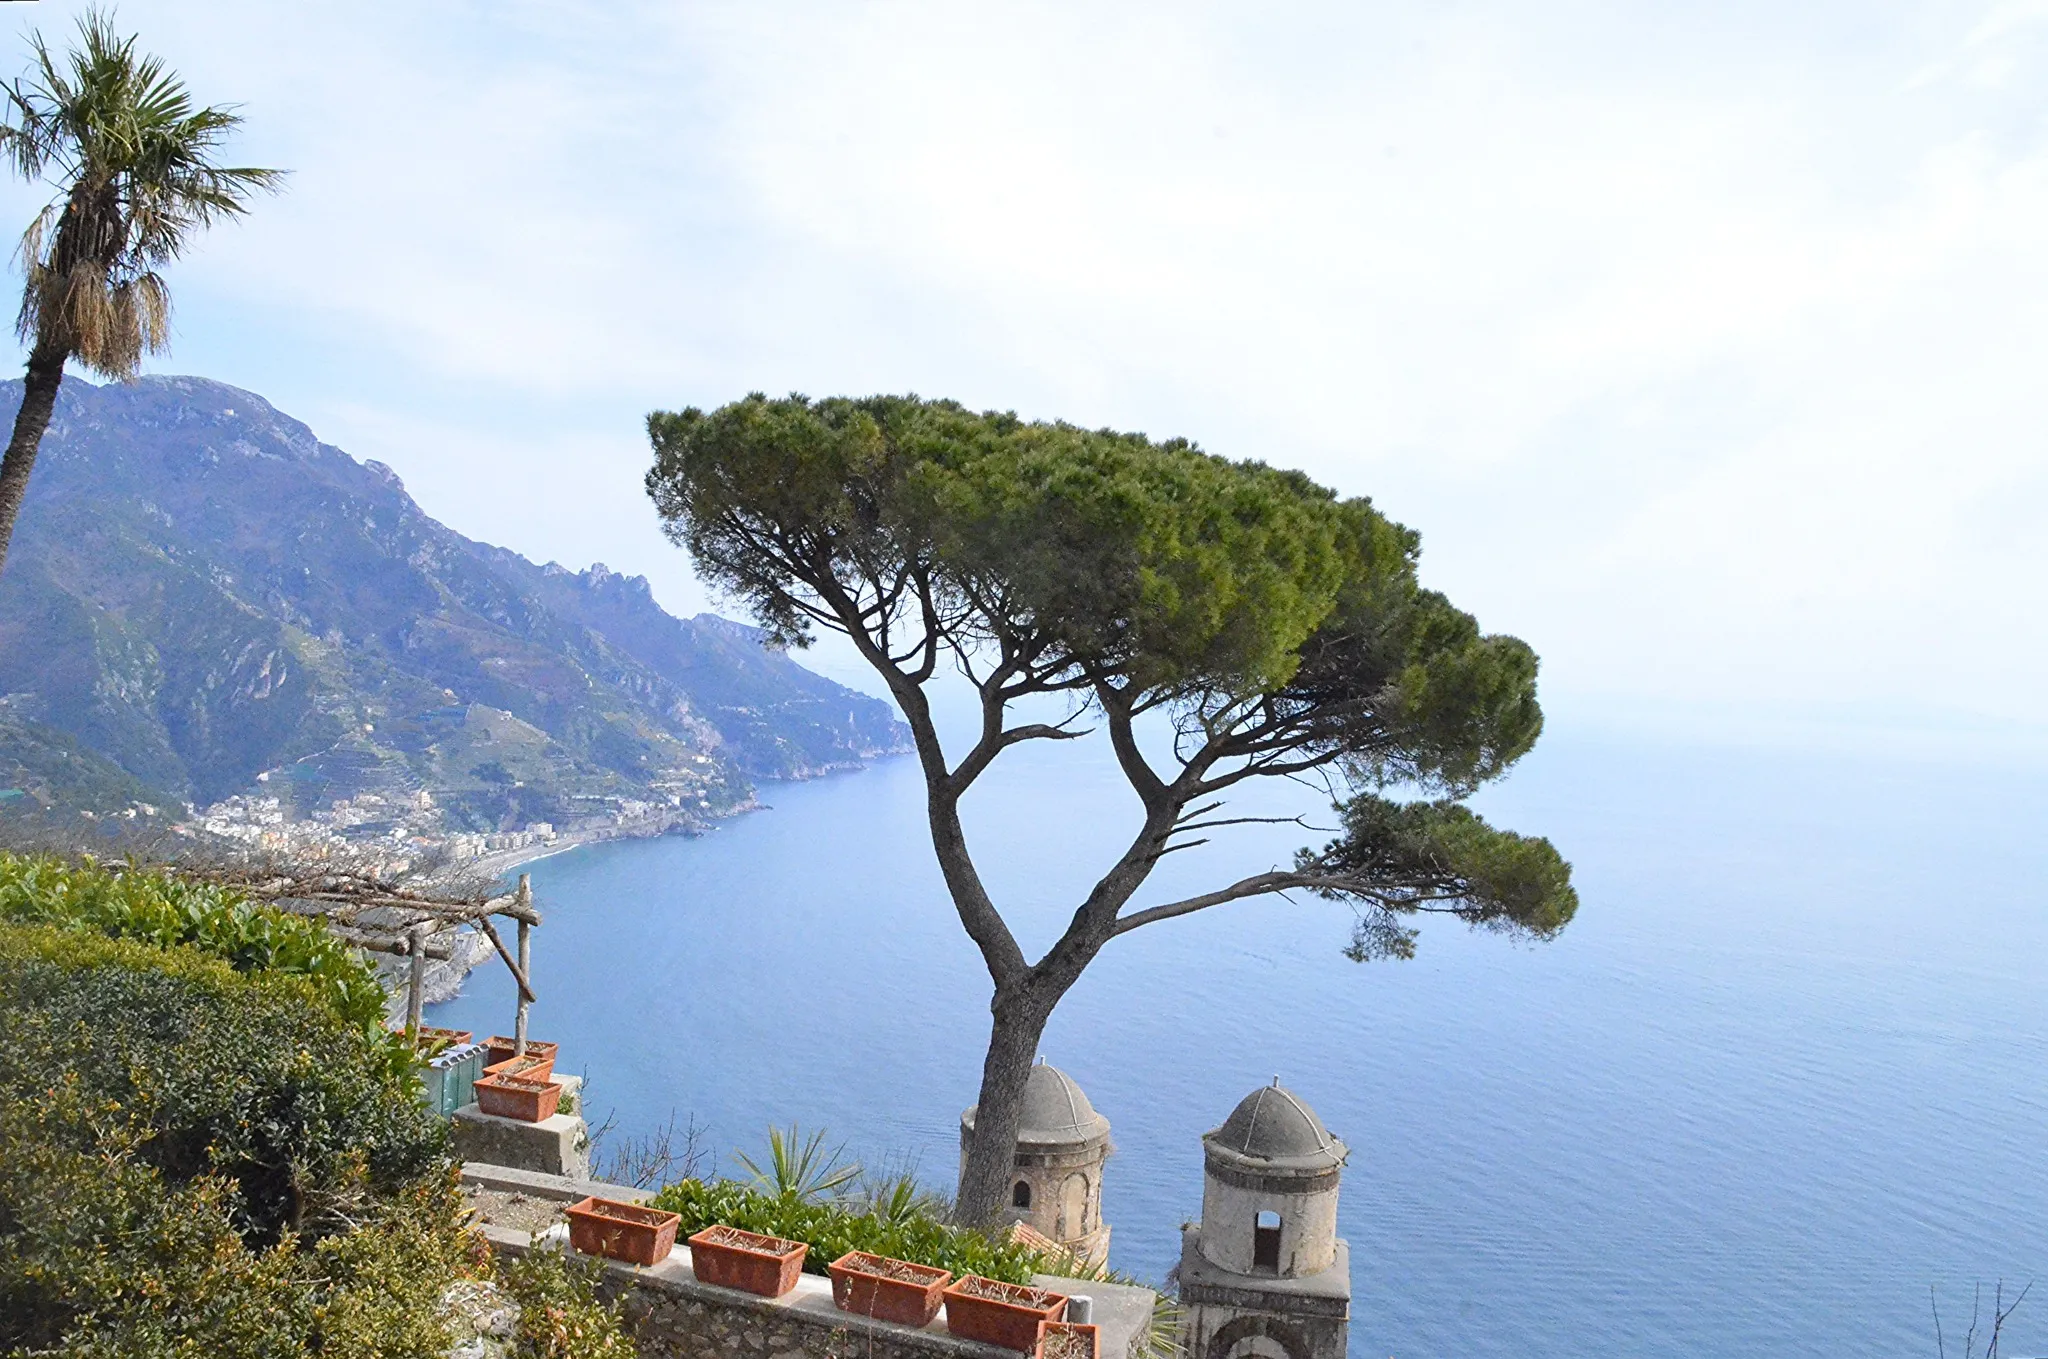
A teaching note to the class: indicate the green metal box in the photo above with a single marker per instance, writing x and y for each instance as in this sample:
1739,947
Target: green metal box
450,1075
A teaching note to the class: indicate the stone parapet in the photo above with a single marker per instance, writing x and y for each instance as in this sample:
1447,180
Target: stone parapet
673,1316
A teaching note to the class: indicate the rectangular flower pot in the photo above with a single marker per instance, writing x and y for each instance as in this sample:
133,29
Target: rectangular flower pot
1069,1340
498,1048
518,1098
997,1313
888,1290
535,1067
622,1231
432,1039
748,1261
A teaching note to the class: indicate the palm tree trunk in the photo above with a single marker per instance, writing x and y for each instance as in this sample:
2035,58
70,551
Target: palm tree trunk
38,400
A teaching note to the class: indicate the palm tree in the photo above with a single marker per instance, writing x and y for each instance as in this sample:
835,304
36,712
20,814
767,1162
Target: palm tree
132,161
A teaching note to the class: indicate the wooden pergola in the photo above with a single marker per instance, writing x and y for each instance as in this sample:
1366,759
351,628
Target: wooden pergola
372,913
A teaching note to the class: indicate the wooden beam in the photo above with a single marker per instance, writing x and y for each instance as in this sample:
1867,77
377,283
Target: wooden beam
400,946
518,972
524,899
416,984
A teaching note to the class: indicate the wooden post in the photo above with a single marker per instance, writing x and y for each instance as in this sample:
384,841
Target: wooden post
416,983
525,900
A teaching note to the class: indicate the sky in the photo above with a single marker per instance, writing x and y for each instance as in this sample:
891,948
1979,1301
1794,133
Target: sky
1702,342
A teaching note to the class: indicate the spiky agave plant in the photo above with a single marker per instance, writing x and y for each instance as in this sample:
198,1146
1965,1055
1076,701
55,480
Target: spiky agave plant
801,1167
133,163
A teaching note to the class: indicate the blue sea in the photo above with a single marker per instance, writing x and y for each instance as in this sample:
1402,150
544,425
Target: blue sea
1786,1073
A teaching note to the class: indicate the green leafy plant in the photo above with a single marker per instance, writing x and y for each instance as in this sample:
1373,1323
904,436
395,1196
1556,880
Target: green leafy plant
561,1314
832,1229
801,1166
170,912
199,1160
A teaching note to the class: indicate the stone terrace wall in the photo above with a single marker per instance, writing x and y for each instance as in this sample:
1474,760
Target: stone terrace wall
676,1317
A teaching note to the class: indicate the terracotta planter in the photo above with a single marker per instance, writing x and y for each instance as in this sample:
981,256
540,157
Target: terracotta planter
752,1263
498,1048
622,1231
1067,1340
888,1290
997,1313
532,1067
444,1038
517,1097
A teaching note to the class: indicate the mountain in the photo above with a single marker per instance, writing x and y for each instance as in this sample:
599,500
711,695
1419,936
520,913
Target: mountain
204,599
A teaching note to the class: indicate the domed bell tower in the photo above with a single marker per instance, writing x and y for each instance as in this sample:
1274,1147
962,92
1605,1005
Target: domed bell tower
1062,1143
1264,1274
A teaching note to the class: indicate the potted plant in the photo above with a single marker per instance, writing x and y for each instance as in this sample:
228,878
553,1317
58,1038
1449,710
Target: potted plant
888,1290
1069,1340
998,1313
432,1040
534,1068
518,1097
498,1048
731,1258
622,1231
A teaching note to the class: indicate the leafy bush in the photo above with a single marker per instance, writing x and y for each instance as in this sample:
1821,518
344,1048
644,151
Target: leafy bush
560,1313
167,911
246,1076
195,1160
830,1230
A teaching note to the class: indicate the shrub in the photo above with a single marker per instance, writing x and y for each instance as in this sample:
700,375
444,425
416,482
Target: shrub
830,1230
169,912
195,1160
245,1076
560,1313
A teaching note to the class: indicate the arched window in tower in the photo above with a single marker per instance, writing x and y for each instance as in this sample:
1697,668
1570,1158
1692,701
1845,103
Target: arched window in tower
1073,1206
1266,1242
1020,1197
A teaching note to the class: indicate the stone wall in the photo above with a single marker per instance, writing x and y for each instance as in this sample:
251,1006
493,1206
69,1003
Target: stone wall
676,1317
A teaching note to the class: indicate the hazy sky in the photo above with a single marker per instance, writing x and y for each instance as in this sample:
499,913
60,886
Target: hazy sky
1704,343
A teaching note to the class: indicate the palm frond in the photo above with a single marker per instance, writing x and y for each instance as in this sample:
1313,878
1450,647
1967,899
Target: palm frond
132,159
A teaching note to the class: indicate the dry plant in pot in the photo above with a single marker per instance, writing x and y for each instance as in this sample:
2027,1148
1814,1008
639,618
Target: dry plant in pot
622,1231
516,1097
748,1261
1069,1340
998,1313
888,1290
498,1048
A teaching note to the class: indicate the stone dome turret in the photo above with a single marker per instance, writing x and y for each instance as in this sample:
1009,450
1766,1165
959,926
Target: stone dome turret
1055,1112
1272,1128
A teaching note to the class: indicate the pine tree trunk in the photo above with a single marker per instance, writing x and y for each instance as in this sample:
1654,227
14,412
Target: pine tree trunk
38,400
1019,1022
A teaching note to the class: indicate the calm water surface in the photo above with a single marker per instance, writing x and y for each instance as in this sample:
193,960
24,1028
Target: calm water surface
1783,1074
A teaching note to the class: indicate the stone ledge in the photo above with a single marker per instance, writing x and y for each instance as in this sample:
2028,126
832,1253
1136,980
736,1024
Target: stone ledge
539,1185
677,1317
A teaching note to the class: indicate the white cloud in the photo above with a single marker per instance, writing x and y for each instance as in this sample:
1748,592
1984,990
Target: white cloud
1702,342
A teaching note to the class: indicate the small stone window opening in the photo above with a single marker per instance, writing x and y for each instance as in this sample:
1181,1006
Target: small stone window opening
1020,1197
1266,1242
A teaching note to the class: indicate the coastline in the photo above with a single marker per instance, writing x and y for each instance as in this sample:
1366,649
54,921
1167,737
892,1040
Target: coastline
451,974
505,860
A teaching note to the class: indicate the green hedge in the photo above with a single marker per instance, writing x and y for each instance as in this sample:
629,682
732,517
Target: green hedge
167,911
246,1075
831,1230
201,1161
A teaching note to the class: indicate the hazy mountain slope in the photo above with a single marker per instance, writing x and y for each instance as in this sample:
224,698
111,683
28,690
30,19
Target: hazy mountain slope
203,593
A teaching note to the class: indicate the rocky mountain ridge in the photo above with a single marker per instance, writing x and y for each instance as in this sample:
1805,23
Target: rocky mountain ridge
203,601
